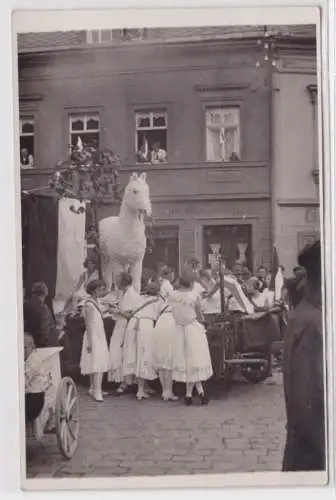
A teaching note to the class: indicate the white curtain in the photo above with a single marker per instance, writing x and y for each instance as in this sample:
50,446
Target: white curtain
71,250
223,134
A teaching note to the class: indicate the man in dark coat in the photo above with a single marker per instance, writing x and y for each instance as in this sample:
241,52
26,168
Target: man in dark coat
304,373
296,286
38,318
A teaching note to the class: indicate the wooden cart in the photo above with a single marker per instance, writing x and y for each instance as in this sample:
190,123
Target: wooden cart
60,413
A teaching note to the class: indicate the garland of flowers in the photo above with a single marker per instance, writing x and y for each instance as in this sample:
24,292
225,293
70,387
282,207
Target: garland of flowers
89,174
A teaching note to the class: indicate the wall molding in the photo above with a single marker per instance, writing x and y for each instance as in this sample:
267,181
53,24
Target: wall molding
295,202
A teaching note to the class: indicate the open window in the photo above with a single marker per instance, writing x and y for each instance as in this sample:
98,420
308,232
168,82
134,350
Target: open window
86,128
223,134
151,128
27,142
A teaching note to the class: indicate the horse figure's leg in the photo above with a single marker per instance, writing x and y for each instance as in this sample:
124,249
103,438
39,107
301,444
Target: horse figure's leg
106,267
136,273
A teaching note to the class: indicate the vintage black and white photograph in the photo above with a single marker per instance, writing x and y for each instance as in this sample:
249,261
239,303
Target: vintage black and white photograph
171,251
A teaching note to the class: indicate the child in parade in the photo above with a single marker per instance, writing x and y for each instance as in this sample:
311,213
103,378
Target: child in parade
95,359
139,340
129,301
192,362
165,337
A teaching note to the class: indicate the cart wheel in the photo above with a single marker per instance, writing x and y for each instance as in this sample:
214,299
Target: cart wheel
66,416
256,374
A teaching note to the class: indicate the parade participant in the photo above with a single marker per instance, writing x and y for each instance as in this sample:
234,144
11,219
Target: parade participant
129,301
35,380
165,337
192,362
211,301
262,277
80,294
95,355
303,373
138,351
38,318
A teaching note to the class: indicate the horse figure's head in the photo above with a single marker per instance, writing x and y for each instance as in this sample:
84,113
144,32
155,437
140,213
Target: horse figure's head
136,196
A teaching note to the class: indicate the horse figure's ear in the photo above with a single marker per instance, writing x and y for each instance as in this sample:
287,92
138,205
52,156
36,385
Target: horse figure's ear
143,176
134,176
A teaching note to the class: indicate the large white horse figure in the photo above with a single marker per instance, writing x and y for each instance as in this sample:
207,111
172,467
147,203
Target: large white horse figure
122,238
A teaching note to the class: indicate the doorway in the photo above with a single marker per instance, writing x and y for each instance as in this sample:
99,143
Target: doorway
235,243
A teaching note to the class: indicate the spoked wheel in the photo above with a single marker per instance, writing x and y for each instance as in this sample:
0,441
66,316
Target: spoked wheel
67,417
257,373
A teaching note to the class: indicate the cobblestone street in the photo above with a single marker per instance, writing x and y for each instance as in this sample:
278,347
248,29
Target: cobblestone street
240,431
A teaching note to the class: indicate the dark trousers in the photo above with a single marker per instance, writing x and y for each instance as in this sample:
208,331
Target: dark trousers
33,405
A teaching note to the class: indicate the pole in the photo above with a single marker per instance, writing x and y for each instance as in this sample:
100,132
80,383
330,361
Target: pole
221,281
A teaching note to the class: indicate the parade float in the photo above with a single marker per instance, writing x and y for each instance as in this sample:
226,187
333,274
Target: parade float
89,176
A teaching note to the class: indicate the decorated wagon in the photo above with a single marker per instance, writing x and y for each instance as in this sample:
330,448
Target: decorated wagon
60,412
243,341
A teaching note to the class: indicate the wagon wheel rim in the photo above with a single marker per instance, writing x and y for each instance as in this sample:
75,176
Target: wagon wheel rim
67,421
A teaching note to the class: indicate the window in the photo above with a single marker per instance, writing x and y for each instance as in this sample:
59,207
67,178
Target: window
134,34
99,36
223,134
85,127
234,243
27,141
151,136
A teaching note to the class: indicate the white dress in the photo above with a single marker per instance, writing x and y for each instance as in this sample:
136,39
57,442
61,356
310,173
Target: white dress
129,302
98,360
138,359
165,332
192,361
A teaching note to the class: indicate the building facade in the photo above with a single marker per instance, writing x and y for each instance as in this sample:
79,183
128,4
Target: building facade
193,96
295,154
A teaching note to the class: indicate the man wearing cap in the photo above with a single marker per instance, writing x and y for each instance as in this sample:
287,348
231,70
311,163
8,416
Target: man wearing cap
303,373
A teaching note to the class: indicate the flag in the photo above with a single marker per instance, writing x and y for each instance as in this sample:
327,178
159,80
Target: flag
55,246
145,146
80,144
277,279
222,142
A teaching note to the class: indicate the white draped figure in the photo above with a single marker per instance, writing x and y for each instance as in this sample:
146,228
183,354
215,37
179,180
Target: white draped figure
122,238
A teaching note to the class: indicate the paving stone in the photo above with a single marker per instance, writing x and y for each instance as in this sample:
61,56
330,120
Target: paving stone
233,433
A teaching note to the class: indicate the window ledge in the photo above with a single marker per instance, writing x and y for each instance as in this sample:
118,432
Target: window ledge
163,166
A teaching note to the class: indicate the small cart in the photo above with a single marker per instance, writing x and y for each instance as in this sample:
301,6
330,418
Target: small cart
60,413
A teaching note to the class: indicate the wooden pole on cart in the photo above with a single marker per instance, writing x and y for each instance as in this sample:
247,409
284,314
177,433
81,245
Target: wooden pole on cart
221,282
96,226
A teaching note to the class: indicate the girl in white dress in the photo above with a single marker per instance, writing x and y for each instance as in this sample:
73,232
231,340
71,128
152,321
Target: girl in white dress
138,357
165,338
129,301
95,359
80,294
192,362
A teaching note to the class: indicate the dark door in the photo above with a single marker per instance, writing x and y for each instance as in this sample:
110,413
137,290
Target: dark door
163,248
235,243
